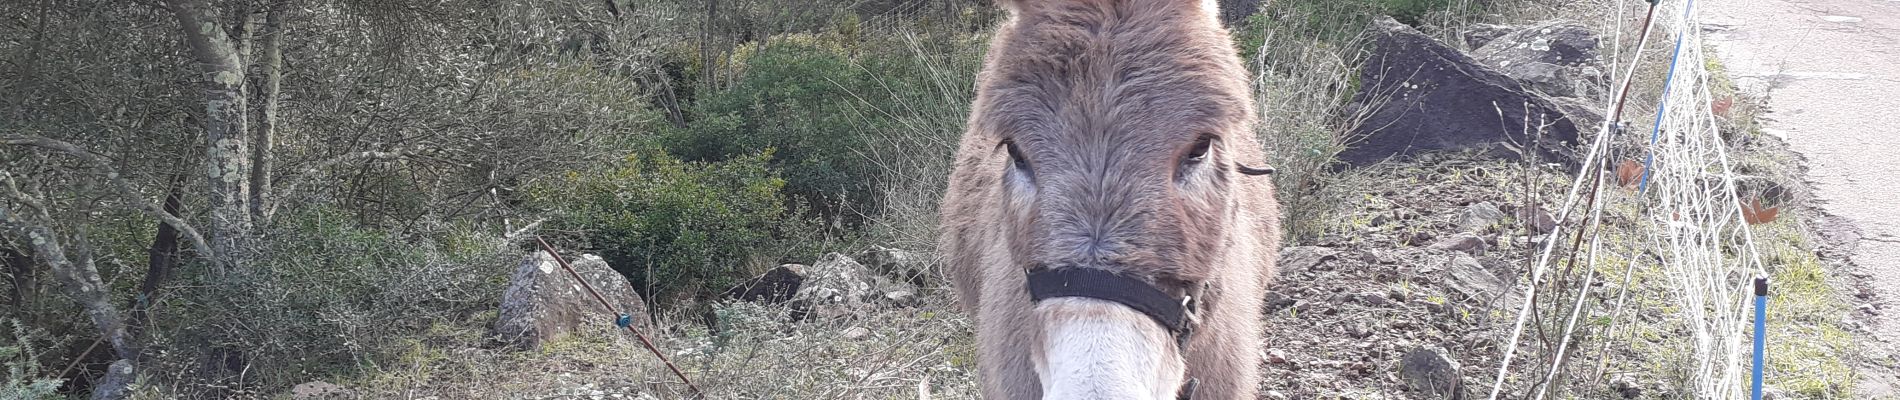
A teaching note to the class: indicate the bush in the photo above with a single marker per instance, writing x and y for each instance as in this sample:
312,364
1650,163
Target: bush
327,297
22,379
803,97
676,228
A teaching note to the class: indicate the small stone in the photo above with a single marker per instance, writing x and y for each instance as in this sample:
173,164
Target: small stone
1464,242
899,264
855,333
1276,356
1366,256
1536,218
1375,299
1429,370
901,298
1359,330
1626,387
1276,301
1467,276
1276,395
1480,217
1301,258
317,390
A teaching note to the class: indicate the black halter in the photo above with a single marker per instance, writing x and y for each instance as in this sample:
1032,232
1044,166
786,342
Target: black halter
1177,314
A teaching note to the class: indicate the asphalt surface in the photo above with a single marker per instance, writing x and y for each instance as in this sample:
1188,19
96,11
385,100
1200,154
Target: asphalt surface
1831,73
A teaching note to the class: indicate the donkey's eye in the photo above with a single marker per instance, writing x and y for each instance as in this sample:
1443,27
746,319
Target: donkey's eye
1016,158
1198,153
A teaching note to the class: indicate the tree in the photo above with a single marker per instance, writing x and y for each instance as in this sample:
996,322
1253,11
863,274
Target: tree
227,128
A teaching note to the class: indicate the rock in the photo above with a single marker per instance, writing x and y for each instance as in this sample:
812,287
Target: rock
543,302
1359,329
838,286
1276,301
837,279
899,264
1480,216
1379,220
1586,114
1302,258
1276,395
774,286
1477,35
1626,387
1536,218
1421,95
1466,242
901,298
1773,393
1375,299
1276,356
855,333
1430,371
1467,276
1558,58
315,390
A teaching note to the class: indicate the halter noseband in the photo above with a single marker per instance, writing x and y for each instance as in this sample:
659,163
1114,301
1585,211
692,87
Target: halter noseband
1177,314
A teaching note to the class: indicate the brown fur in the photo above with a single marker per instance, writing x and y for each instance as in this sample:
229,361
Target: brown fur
1104,97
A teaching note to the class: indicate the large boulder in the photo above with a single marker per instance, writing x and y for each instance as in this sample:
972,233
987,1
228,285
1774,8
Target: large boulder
1418,95
543,302
1478,35
1558,58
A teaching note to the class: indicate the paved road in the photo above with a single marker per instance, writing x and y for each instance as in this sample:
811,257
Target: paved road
1831,69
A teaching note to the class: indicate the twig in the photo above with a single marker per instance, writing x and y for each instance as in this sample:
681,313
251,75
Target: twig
126,189
311,171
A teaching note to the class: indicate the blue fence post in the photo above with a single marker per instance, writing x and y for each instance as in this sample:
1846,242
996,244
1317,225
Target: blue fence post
1761,332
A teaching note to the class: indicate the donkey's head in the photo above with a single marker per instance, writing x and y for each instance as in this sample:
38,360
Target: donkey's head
1117,130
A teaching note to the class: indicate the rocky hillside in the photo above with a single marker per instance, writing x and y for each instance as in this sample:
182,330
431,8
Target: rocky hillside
1408,293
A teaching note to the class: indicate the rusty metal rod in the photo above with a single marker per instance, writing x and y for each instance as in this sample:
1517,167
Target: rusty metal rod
610,308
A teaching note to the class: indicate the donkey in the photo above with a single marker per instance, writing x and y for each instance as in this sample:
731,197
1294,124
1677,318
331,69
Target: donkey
1101,221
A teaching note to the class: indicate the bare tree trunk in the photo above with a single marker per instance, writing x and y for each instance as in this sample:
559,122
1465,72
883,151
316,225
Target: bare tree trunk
273,69
79,278
158,268
227,159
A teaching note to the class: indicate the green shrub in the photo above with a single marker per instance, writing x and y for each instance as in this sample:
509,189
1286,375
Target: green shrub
803,97
22,377
327,297
675,228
